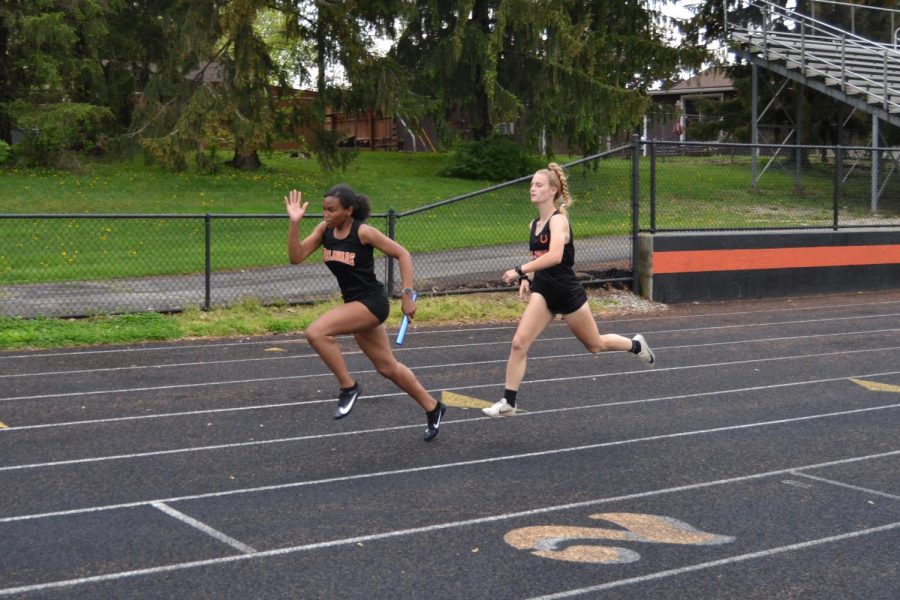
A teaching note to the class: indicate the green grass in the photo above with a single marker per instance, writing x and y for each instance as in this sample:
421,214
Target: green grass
58,333
54,249
388,178
252,319
692,192
41,249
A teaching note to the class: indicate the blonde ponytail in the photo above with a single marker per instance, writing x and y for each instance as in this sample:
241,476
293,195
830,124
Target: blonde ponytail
558,179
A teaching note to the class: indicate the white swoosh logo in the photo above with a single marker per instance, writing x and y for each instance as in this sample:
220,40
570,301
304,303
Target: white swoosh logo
345,410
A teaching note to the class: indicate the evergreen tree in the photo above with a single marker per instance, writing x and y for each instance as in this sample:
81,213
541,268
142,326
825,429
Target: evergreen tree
350,76
567,69
210,87
51,69
259,49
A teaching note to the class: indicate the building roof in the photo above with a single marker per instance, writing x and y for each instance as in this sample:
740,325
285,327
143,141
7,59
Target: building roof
713,79
213,72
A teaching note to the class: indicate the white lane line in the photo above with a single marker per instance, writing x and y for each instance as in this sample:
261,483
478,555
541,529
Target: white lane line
442,366
188,450
787,338
425,529
775,324
215,533
848,486
640,319
191,413
164,387
669,317
439,347
420,348
167,365
199,346
719,563
407,471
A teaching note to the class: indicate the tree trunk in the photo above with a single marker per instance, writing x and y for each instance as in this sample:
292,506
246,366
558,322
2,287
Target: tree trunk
5,133
481,127
248,161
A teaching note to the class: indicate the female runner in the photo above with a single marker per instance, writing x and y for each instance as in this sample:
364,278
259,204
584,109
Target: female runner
553,288
348,245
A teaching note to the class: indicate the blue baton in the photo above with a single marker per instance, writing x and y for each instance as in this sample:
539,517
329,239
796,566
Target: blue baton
404,324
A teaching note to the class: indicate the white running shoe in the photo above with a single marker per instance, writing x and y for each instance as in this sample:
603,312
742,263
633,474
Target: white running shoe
499,409
646,354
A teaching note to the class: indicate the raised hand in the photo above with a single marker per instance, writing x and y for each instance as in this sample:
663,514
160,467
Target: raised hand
294,205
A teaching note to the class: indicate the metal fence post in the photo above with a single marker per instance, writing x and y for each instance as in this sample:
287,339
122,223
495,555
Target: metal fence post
838,177
635,209
874,160
754,126
389,278
207,278
799,152
652,145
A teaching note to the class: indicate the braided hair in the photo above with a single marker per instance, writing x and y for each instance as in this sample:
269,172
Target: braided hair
350,199
557,178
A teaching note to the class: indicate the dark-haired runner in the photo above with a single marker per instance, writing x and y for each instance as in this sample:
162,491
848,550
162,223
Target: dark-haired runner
554,288
348,245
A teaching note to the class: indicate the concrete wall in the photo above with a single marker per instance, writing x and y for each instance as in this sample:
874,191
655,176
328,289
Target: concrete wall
685,267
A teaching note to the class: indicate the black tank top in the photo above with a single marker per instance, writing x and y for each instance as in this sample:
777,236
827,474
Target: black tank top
561,275
353,264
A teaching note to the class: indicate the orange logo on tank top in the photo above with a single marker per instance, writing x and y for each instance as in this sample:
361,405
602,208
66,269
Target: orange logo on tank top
544,238
341,256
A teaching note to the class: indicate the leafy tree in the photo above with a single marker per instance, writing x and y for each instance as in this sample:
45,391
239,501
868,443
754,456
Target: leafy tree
210,87
52,83
246,94
349,75
262,49
7,13
596,67
565,69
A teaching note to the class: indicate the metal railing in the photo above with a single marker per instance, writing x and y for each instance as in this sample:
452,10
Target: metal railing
857,65
849,11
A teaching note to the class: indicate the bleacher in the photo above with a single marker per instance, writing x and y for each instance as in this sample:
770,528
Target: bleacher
858,71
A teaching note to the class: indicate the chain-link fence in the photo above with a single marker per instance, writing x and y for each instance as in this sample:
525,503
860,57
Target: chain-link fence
82,264
700,186
480,235
74,265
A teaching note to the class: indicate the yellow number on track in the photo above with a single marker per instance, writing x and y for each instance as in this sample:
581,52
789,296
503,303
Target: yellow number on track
562,542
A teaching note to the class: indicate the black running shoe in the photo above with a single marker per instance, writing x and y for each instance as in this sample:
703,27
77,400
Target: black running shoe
346,401
434,421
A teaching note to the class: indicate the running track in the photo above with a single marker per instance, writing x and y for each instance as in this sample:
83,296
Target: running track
760,459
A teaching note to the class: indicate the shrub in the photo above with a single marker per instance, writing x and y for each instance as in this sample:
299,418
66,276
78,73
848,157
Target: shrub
4,152
53,130
494,158
208,162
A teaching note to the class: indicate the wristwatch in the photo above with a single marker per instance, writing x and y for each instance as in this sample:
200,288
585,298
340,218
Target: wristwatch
407,292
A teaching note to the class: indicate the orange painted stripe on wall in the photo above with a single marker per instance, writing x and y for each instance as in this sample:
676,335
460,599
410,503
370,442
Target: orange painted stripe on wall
697,261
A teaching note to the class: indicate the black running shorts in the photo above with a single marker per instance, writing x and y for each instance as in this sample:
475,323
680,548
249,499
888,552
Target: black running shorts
378,305
563,303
